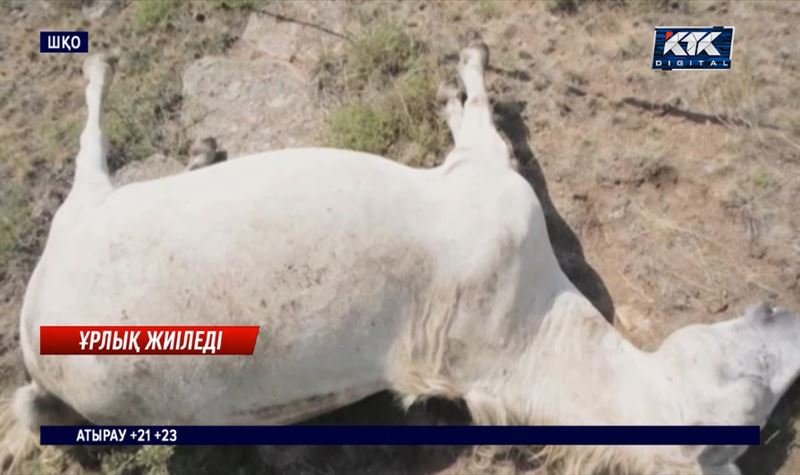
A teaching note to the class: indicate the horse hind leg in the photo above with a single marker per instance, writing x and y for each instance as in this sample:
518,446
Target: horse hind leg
20,420
477,132
34,407
91,168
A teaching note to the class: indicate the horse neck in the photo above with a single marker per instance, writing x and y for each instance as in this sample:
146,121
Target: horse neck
577,369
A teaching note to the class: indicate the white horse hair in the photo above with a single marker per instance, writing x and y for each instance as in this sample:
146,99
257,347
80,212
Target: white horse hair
365,275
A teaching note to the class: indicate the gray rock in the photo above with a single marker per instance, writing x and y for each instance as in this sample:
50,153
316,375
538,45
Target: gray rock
155,166
97,9
250,106
261,96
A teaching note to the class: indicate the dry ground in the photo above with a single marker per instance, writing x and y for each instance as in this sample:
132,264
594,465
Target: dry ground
671,196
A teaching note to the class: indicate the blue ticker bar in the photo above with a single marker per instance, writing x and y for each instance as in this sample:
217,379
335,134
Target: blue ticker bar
400,435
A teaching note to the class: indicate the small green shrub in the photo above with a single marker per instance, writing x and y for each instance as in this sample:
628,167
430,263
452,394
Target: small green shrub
362,126
391,79
378,53
763,180
399,116
416,111
149,14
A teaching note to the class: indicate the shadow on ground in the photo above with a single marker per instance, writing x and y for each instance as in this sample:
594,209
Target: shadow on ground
777,437
379,409
565,243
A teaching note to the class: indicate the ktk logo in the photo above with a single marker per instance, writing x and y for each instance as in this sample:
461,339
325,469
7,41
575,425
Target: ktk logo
696,42
692,47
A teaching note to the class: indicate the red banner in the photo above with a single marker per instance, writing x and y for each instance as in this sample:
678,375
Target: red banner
147,340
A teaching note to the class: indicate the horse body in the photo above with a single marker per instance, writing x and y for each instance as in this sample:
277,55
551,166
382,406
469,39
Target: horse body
330,268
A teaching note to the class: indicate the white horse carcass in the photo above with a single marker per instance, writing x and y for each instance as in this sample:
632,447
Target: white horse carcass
365,275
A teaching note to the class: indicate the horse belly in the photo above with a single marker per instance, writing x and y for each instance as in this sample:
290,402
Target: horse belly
325,328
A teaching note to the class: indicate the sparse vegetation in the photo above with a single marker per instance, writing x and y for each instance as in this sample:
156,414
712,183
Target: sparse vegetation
360,126
149,14
380,53
762,180
631,48
487,10
60,136
734,97
136,105
15,213
240,4
148,460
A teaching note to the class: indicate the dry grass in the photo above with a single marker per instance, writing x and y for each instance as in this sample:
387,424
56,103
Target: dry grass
733,97
487,10
137,107
148,460
15,211
379,53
